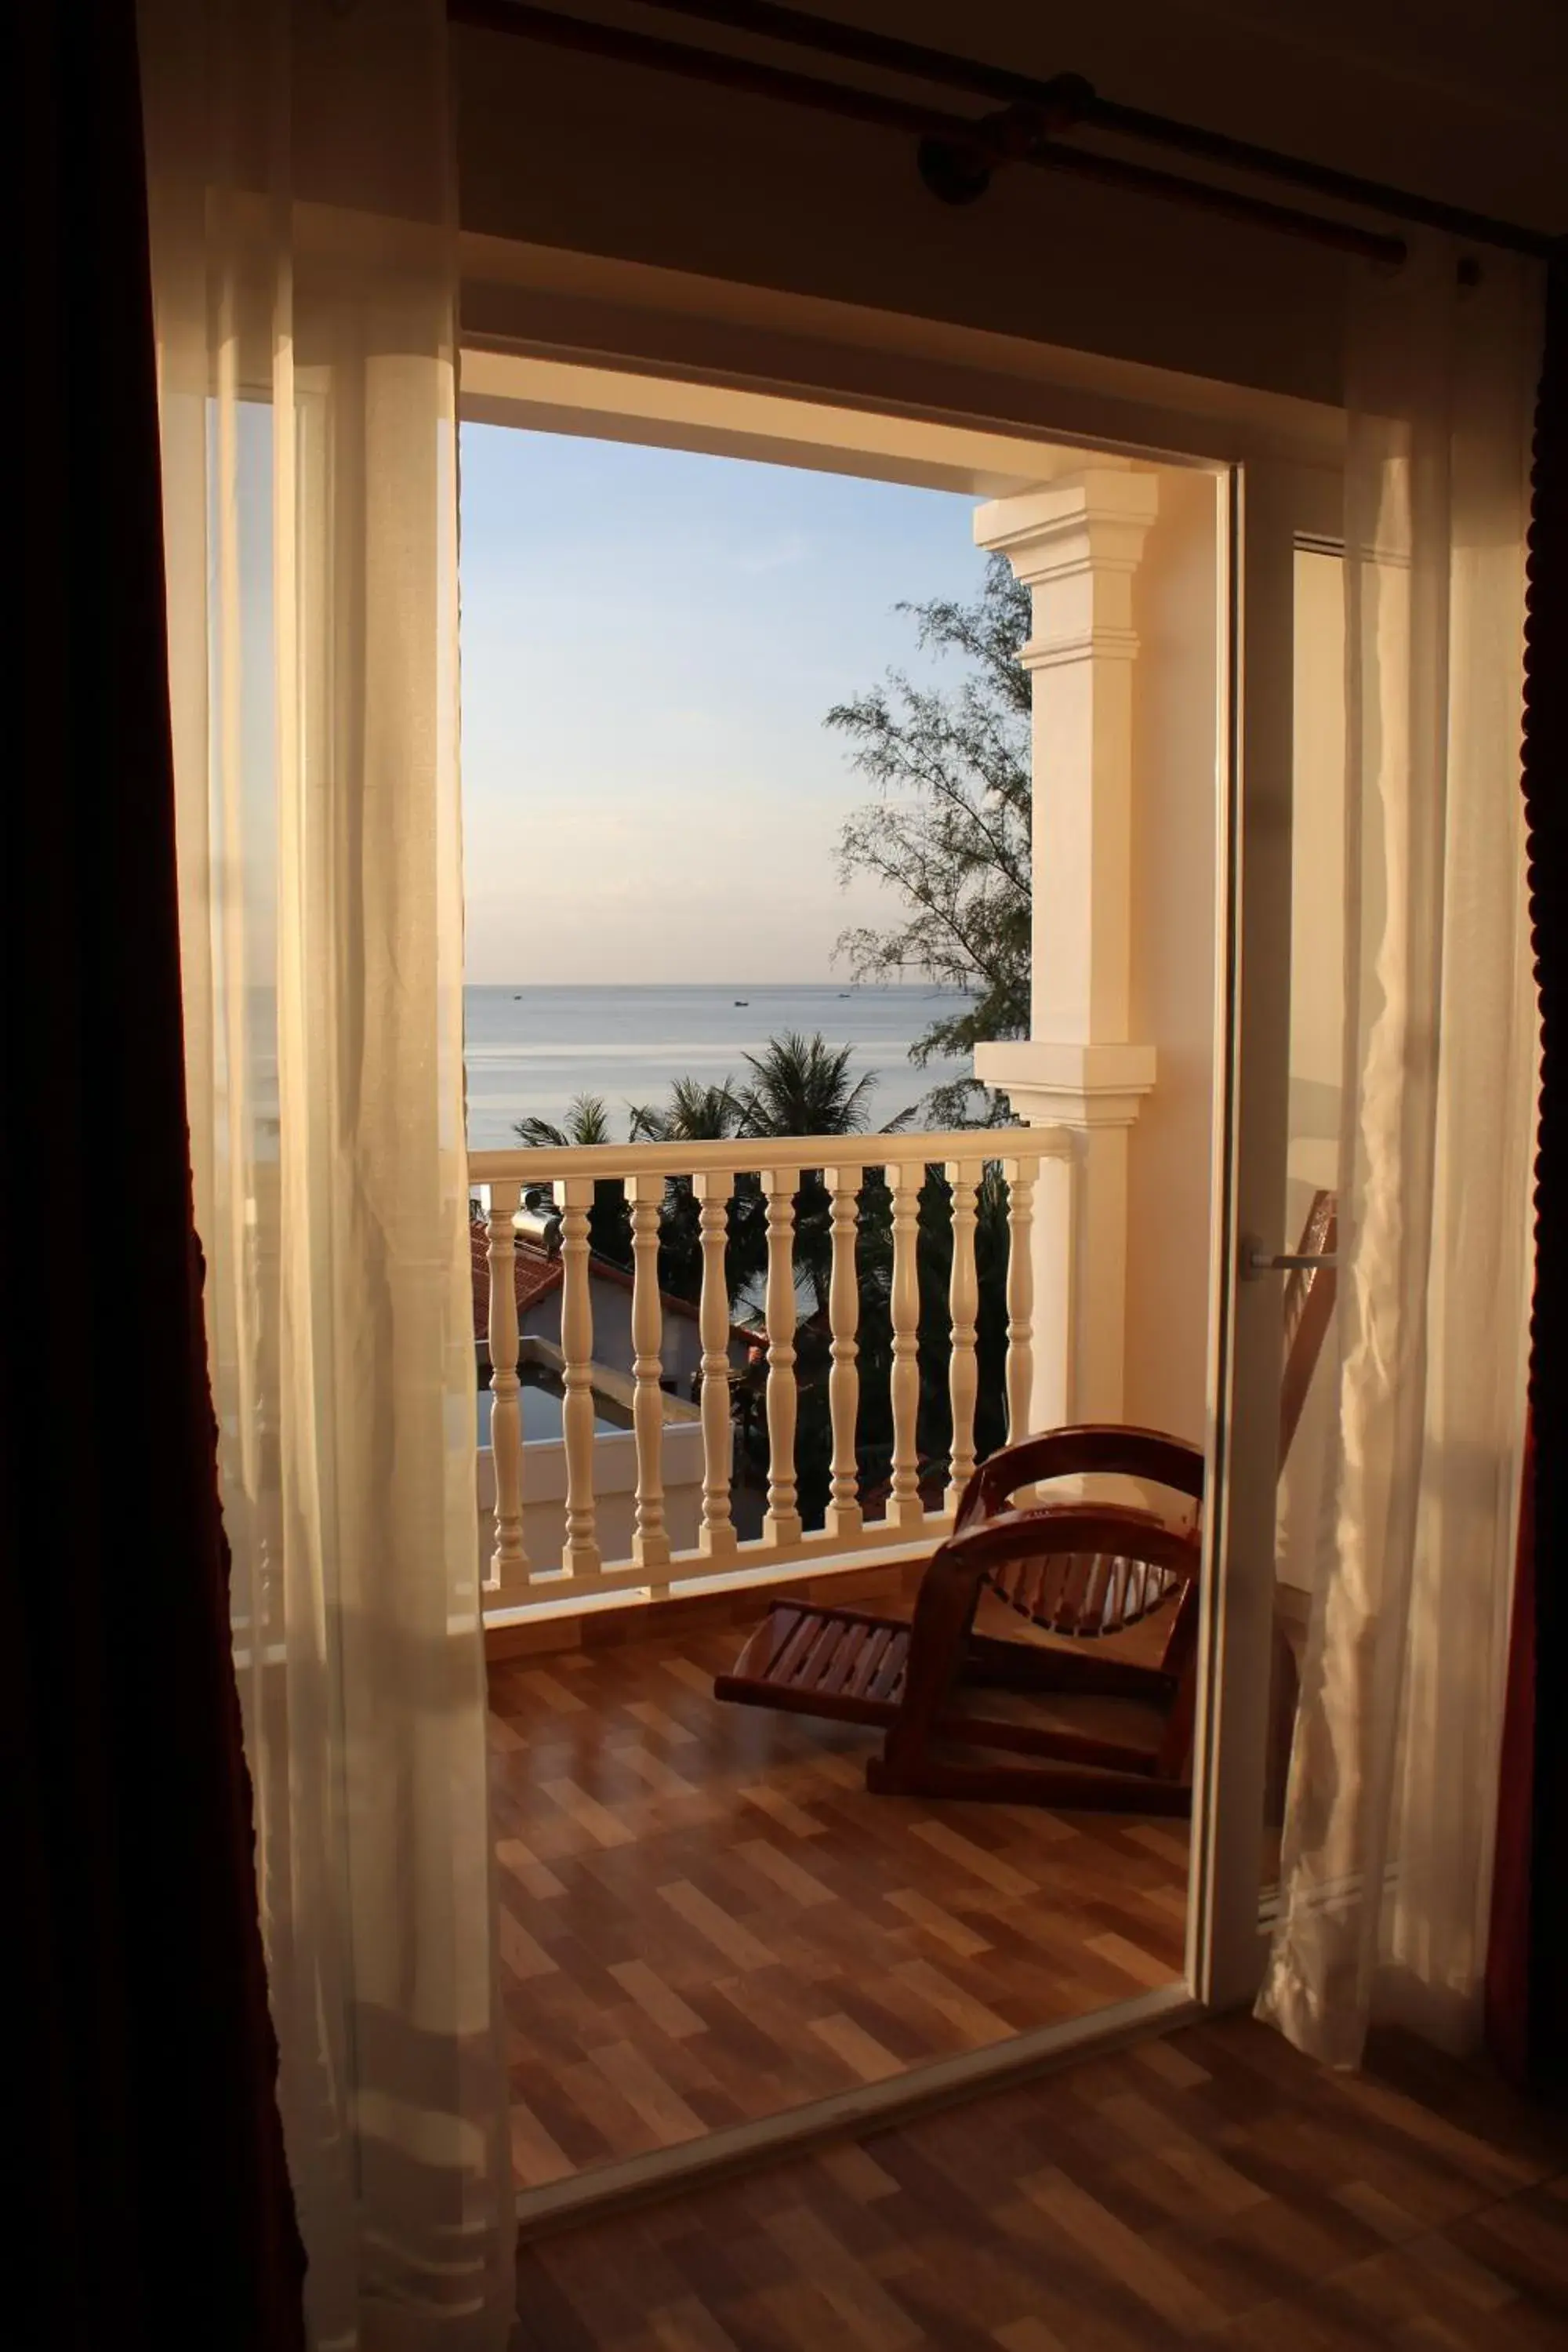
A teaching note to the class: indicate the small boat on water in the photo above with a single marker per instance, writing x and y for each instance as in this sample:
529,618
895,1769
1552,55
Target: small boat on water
742,999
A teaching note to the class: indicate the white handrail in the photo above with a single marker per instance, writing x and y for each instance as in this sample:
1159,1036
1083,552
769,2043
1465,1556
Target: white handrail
551,1161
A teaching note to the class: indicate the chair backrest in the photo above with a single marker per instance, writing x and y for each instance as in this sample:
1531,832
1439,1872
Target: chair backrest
1087,1594
1064,1586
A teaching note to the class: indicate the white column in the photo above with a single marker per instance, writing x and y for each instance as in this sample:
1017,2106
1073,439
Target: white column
1076,545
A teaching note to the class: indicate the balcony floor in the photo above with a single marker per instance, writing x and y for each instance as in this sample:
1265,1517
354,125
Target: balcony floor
707,1920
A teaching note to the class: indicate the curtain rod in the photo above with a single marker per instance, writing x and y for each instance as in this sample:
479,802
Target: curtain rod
1076,103
957,152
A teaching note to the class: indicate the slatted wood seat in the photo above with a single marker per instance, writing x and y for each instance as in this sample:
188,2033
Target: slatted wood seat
1078,1572
806,1655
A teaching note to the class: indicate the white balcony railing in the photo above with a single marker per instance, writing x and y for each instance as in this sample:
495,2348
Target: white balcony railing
903,1507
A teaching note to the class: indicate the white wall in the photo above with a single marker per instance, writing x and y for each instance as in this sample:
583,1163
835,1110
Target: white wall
1173,962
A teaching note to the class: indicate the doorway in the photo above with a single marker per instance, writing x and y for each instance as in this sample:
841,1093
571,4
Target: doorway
716,1937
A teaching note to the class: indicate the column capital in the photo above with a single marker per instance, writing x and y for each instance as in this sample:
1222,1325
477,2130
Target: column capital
1076,546
1066,1085
1095,520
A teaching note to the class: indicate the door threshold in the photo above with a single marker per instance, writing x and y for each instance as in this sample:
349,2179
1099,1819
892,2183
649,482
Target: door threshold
668,2171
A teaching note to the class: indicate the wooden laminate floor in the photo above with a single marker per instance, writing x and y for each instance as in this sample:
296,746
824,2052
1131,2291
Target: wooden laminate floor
1209,2188
707,1920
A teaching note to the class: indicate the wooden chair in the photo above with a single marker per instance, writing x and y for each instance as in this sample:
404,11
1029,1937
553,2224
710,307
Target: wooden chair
1077,1572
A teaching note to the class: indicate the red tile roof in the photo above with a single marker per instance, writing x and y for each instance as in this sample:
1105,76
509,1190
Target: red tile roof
534,1275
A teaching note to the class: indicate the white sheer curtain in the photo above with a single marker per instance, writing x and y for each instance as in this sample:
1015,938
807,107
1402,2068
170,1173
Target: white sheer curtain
1388,1832
305,286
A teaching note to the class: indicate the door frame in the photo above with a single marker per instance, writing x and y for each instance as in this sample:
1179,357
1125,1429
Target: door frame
1276,463
1273,507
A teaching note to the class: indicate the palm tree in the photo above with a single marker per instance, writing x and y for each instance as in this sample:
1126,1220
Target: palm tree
693,1114
587,1121
801,1086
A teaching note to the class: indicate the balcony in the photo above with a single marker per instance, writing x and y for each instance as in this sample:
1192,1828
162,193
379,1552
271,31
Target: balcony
710,1929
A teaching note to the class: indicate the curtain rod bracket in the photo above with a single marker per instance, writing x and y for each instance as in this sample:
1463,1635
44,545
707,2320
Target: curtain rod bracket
957,171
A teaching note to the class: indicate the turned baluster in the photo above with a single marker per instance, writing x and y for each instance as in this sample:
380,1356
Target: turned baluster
1020,1175
509,1559
650,1539
780,1524
844,1516
905,1508
580,1555
964,1305
712,1189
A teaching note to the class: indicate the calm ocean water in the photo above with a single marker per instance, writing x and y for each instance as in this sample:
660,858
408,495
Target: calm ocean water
529,1050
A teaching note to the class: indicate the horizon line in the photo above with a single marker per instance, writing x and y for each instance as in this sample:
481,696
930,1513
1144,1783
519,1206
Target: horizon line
855,987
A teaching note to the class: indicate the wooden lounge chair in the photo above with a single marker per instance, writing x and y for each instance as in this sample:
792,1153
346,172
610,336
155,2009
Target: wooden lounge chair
1078,1572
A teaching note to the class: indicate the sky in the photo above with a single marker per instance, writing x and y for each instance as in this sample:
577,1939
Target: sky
650,640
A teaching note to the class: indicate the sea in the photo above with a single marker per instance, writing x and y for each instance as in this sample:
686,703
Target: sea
530,1049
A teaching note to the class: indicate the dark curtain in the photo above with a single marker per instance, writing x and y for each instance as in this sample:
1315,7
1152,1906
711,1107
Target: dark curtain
147,2152
1528,1963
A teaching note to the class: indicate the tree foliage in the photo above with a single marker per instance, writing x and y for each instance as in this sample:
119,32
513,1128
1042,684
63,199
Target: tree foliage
948,832
796,1085
692,1113
587,1121
801,1086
